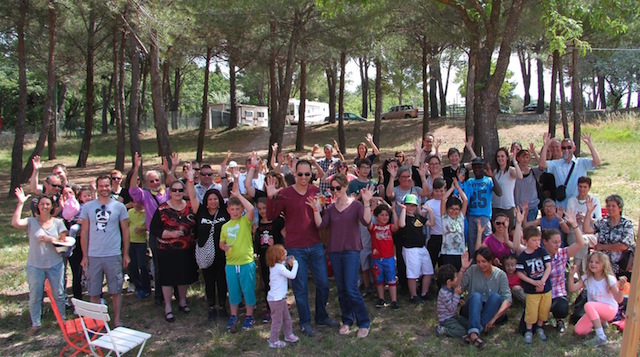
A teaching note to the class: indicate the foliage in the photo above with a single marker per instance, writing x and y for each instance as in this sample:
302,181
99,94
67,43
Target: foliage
506,91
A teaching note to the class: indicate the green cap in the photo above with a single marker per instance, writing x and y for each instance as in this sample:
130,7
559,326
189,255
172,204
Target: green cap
411,199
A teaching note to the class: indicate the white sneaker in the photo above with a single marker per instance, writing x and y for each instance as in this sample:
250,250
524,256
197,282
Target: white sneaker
292,338
277,344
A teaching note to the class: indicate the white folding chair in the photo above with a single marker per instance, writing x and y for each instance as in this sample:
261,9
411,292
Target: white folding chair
119,340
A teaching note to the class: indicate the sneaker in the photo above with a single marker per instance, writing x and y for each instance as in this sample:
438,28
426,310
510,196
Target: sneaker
440,331
363,332
427,297
560,326
292,338
416,300
328,322
267,317
131,288
528,337
34,330
344,329
213,314
394,305
540,333
142,294
381,303
307,330
248,323
277,344
232,321
595,341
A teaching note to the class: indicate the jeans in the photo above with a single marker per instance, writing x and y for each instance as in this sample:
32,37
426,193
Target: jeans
138,269
473,231
481,313
346,265
533,214
315,260
35,279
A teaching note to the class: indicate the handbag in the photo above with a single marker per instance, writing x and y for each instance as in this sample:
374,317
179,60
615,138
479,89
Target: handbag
206,254
561,191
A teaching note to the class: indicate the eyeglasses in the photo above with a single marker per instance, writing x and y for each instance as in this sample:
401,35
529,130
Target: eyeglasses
154,180
174,190
54,185
335,188
405,177
307,174
206,174
501,223
116,178
566,147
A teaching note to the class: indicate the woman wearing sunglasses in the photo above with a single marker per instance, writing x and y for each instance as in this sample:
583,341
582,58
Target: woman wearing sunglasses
173,224
342,217
497,242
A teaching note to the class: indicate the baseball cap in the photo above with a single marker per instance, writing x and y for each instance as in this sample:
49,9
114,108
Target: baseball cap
477,161
233,164
411,199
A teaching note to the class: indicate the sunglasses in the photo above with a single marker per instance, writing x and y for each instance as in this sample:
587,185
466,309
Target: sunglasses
156,180
116,178
500,223
177,190
193,168
335,188
307,174
207,174
55,185
566,147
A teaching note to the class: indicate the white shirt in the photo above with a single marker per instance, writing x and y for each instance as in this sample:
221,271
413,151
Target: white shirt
257,183
278,276
580,208
598,290
507,184
435,206
201,190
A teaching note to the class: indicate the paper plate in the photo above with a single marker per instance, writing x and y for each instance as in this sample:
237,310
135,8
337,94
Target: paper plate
69,242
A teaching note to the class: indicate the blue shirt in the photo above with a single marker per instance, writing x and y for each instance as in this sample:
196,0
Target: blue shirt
560,170
480,196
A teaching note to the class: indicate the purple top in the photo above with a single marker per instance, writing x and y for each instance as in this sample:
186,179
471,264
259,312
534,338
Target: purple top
496,247
145,198
345,231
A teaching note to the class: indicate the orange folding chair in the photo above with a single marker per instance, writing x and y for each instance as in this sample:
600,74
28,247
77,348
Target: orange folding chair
72,329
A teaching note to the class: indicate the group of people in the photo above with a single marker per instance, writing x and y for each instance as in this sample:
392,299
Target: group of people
475,224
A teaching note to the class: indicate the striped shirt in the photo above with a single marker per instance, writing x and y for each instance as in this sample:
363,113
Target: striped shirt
447,305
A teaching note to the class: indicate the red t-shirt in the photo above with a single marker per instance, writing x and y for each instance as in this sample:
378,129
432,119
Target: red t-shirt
381,241
514,280
298,216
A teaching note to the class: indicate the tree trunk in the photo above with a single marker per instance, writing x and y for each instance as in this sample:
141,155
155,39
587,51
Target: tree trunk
433,89
175,101
525,68
273,91
540,68
51,87
205,106
233,111
157,99
342,141
119,94
576,100
143,92
18,140
469,122
602,91
90,91
441,92
134,99
106,102
364,80
303,106
554,89
378,112
563,100
52,136
331,84
425,91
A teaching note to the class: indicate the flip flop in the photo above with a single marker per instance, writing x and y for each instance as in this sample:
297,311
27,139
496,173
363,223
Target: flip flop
169,316
186,309
478,343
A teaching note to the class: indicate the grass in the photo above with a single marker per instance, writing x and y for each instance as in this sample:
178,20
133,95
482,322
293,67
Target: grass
405,332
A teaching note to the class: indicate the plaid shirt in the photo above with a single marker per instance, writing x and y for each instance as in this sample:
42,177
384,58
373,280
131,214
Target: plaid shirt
558,265
325,163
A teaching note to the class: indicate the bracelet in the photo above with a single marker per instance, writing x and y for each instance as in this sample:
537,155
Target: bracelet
576,227
252,167
315,211
561,222
190,180
223,177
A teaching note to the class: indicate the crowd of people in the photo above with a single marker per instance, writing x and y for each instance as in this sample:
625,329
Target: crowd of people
490,231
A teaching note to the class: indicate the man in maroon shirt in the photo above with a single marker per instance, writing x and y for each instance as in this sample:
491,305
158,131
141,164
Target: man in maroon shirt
303,242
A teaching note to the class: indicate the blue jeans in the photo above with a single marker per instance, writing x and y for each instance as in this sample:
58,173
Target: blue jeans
481,313
346,265
35,279
313,258
533,214
138,269
473,231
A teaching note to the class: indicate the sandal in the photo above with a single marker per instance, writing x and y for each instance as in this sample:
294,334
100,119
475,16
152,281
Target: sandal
186,309
169,316
478,343
466,339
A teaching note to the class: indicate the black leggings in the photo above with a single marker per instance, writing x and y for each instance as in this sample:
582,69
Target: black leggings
76,271
433,246
215,280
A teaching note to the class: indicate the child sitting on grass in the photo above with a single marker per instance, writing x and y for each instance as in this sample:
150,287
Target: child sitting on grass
449,322
515,284
383,265
277,296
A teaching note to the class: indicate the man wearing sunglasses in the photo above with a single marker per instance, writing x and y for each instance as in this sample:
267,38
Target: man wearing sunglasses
303,242
206,182
52,187
568,169
59,170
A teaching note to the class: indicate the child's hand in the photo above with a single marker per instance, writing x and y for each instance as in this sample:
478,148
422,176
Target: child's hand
458,290
621,281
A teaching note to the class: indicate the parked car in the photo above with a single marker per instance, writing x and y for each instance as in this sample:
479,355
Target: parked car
347,116
533,106
401,111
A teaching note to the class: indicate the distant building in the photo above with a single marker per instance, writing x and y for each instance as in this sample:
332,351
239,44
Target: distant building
253,115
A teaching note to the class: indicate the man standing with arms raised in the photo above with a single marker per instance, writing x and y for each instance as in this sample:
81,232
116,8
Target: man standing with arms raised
105,245
303,242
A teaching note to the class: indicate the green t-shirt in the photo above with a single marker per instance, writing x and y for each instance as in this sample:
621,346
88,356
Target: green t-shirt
136,219
237,233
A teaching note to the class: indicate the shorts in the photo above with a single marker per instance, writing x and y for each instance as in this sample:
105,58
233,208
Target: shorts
365,259
537,307
241,280
384,271
418,262
99,267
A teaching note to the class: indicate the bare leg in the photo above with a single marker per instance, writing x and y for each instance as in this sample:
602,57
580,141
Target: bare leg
426,281
234,309
116,299
393,292
412,287
182,293
380,289
166,294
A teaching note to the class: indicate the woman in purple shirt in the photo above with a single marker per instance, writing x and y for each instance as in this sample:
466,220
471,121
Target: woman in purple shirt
344,248
498,242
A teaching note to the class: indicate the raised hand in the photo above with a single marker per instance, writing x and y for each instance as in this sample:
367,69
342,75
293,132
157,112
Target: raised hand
417,145
546,137
226,158
438,143
369,137
422,169
367,193
190,171
335,144
570,217
591,206
255,161
137,161
270,186
519,214
274,147
35,161
488,171
469,142
313,203
465,261
480,226
20,195
393,172
175,160
532,148
560,213
586,138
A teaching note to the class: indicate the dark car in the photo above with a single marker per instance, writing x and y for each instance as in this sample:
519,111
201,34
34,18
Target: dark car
533,106
348,116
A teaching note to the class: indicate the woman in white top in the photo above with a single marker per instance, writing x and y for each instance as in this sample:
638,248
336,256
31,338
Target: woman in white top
506,175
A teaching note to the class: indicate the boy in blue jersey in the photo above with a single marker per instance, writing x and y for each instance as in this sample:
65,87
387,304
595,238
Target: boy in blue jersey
479,191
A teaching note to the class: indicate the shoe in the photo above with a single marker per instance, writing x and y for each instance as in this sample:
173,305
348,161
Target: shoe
292,338
381,303
440,331
213,314
560,326
142,294
186,309
104,302
68,306
131,288
363,332
169,317
416,300
277,344
223,313
266,318
248,323
595,342
34,330
307,330
540,333
394,305
232,321
427,297
528,337
344,329
328,322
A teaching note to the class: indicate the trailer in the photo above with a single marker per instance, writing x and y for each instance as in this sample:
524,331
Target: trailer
314,113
